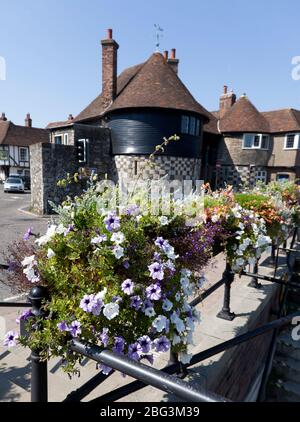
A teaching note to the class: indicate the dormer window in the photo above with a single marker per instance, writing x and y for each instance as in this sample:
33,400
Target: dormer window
190,125
292,141
256,141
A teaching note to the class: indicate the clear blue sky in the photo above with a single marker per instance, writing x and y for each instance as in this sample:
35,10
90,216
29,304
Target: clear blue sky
52,50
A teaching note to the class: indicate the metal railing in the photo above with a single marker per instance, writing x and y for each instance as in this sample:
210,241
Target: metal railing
164,379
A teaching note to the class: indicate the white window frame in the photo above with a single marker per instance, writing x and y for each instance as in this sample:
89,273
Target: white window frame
296,141
66,139
57,135
260,141
27,155
261,175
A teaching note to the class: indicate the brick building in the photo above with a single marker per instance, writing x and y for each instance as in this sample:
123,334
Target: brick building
253,145
146,102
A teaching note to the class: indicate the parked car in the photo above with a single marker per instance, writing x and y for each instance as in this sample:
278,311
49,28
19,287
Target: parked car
14,184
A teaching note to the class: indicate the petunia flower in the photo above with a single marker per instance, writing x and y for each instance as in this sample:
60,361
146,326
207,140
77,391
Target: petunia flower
127,287
161,344
75,328
10,339
111,310
153,292
156,271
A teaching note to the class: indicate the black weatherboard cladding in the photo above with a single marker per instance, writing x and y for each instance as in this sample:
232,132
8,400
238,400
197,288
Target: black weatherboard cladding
138,132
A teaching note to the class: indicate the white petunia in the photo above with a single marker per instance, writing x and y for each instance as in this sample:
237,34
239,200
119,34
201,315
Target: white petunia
118,238
185,358
29,261
43,240
160,323
176,340
60,229
118,251
164,221
111,310
150,312
252,260
167,305
50,253
215,218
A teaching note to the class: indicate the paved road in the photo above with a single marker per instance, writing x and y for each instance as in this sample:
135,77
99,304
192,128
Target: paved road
13,224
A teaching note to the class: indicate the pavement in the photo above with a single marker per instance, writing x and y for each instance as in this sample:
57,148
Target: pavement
246,302
14,221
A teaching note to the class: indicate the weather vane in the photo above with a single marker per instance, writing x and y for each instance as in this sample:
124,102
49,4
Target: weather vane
159,35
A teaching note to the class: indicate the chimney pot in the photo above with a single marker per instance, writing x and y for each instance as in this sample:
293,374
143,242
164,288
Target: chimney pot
166,55
70,117
3,117
227,100
28,120
109,34
173,53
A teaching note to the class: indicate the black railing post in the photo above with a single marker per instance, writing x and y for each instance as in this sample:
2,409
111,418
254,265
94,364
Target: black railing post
273,253
182,370
254,280
39,371
294,238
225,313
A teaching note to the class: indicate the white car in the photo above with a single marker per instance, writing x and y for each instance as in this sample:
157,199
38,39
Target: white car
14,184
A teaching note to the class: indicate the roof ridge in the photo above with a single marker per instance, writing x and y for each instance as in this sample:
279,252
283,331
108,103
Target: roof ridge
133,76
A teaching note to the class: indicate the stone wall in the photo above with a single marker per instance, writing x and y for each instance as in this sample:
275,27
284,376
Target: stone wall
49,163
138,166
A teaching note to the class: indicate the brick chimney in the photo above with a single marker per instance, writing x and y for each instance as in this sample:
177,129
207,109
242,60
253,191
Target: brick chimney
227,100
28,120
3,117
109,68
173,62
166,55
70,117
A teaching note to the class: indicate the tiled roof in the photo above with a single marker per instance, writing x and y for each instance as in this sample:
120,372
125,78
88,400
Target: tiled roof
244,117
286,120
97,107
153,84
11,134
64,123
212,125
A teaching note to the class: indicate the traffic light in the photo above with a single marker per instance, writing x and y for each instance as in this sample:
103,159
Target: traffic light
82,150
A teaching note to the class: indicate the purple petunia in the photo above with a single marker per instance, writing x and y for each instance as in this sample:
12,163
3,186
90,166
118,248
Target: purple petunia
91,304
126,264
112,222
135,351
133,210
87,303
63,326
28,234
145,343
128,287
136,302
104,337
70,229
156,271
10,339
119,345
24,316
161,242
153,292
161,344
75,328
106,370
